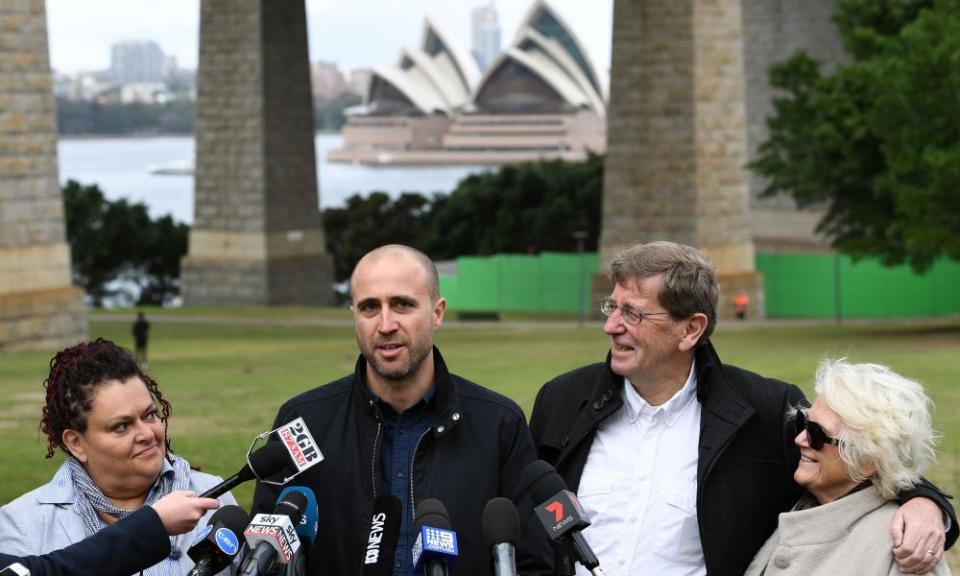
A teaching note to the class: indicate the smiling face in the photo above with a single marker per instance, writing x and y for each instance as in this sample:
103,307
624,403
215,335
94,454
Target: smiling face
822,472
395,316
123,445
658,348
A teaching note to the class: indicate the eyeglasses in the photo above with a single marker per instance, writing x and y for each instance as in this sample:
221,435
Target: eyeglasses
633,317
816,435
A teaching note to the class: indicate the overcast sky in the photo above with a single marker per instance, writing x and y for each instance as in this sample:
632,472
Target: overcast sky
348,32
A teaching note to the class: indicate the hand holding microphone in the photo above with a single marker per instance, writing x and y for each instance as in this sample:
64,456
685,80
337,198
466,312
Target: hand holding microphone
560,511
181,510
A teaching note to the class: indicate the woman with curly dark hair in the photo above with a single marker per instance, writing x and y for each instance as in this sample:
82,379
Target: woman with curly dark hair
110,418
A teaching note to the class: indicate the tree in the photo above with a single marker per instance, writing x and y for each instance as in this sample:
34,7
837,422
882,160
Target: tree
525,208
118,252
877,140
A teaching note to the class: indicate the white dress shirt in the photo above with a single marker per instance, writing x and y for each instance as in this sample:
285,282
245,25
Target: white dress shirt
639,487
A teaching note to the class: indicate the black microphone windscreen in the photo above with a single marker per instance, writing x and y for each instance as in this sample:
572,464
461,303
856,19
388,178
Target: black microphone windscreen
267,461
293,504
431,512
383,537
500,522
541,481
232,517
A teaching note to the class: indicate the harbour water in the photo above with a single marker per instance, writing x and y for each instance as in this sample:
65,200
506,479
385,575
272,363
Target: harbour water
121,168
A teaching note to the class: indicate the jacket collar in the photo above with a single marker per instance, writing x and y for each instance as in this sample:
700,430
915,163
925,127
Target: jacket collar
724,410
605,398
445,404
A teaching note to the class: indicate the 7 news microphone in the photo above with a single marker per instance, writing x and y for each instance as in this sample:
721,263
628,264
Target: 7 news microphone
217,545
501,529
383,536
436,545
560,511
275,538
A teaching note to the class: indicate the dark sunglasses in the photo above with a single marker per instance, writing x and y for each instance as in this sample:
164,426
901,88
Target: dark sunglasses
815,432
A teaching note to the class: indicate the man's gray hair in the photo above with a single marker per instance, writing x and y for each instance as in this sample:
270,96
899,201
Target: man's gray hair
885,422
689,283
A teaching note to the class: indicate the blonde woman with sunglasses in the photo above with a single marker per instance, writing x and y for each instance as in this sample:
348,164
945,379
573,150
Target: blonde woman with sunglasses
867,437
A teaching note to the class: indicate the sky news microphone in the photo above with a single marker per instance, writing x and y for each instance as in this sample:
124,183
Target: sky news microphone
306,529
269,460
501,529
383,536
560,511
218,544
436,545
273,538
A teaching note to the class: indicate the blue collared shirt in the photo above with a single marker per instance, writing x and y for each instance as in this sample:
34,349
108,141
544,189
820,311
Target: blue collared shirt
401,434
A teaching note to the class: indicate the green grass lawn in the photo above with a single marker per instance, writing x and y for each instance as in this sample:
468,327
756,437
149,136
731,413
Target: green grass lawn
226,381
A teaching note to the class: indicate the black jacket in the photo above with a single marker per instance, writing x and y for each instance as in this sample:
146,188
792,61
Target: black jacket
747,456
476,450
132,544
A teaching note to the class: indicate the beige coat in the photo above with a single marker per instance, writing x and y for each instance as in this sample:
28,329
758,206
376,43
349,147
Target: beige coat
848,536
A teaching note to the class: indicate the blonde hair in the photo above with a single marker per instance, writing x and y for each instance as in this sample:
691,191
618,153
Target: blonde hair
885,422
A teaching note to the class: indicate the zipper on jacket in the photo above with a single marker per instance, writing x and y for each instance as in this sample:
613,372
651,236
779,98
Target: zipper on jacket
373,460
413,509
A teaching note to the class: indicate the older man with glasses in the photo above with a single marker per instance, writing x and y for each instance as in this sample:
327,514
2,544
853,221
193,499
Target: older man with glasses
684,463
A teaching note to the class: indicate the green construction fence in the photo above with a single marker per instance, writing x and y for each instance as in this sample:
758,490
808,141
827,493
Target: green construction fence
795,285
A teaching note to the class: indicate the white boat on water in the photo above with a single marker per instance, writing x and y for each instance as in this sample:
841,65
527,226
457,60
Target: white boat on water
172,168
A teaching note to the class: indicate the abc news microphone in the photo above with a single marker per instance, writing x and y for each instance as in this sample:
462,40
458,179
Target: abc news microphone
501,529
274,538
560,511
218,544
382,539
436,545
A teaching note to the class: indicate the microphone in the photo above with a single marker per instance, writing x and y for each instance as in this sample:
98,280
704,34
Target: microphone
382,539
560,511
436,543
273,537
306,529
270,459
15,569
501,529
216,546
295,450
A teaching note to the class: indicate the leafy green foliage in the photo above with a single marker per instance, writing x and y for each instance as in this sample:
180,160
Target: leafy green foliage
524,208
83,117
118,252
877,140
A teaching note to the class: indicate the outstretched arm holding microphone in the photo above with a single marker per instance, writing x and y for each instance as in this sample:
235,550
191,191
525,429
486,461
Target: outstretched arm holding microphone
135,543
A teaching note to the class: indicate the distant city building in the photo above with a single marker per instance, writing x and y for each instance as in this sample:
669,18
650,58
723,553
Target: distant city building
358,80
146,92
327,80
485,28
137,61
81,86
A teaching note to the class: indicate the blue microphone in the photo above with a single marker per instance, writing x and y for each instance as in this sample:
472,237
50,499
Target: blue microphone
307,527
436,545
306,530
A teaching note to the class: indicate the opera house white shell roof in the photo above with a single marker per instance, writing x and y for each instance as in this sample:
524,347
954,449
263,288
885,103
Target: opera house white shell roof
545,70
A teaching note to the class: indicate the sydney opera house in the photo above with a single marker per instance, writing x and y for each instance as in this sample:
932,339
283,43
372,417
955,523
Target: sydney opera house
541,98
